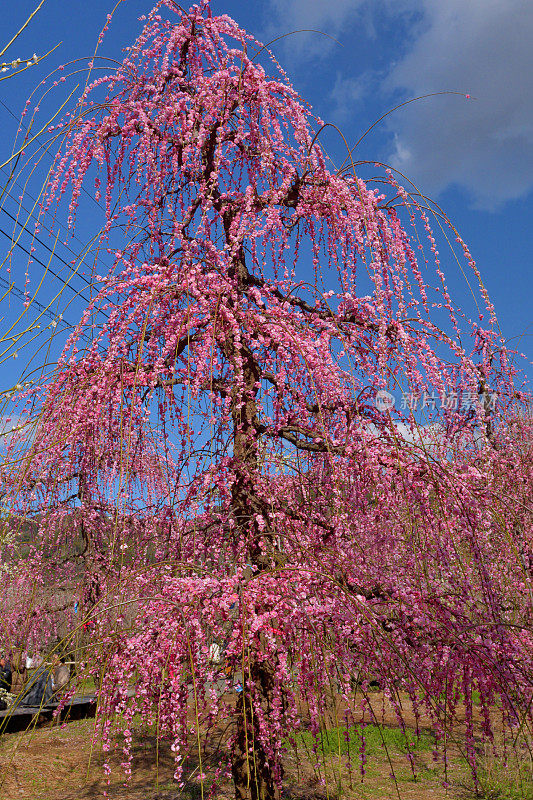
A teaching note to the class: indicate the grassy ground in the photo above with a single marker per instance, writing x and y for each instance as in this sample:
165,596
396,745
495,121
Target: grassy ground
60,763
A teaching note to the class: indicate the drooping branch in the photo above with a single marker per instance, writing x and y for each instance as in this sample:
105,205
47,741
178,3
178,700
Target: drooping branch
288,432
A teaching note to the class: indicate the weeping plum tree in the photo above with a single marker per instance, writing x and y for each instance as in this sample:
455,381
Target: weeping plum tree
216,451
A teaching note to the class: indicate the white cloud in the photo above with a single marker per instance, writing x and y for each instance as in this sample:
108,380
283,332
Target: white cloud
327,16
423,436
348,92
315,13
483,48
479,47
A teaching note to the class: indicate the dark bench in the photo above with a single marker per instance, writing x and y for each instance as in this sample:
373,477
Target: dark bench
20,717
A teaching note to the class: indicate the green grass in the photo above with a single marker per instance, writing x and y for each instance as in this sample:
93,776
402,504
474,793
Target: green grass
378,738
86,686
476,697
499,782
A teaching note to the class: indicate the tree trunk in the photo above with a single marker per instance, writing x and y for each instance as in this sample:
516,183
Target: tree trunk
252,773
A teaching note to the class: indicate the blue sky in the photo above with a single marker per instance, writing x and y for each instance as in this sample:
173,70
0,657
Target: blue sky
475,157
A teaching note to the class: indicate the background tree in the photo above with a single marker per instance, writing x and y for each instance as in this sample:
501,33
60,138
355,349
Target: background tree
232,478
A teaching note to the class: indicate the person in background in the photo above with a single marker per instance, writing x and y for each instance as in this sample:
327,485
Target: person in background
39,689
18,672
5,674
36,661
60,675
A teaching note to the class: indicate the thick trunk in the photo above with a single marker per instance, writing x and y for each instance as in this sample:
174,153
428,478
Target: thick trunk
252,772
